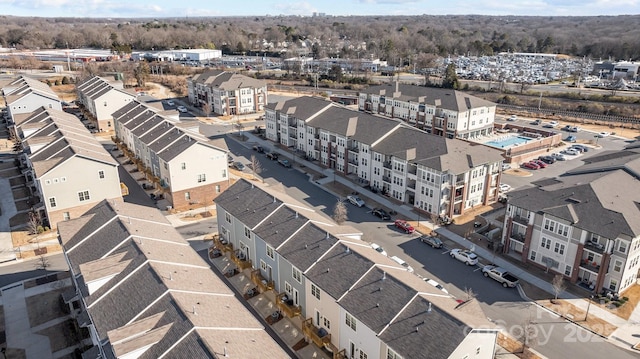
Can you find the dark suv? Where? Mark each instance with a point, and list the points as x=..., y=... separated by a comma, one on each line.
x=272, y=156
x=547, y=159
x=381, y=213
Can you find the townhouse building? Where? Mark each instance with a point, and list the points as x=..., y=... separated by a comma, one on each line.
x=187, y=168
x=345, y=296
x=101, y=98
x=434, y=174
x=442, y=112
x=55, y=145
x=141, y=291
x=24, y=95
x=227, y=93
x=583, y=224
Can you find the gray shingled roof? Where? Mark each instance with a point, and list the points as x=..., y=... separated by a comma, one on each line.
x=280, y=225
x=377, y=298
x=256, y=204
x=338, y=270
x=424, y=331
x=307, y=246
x=301, y=107
x=448, y=98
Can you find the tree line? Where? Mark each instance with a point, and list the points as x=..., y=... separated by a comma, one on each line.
x=401, y=40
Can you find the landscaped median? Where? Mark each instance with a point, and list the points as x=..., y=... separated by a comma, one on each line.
x=578, y=316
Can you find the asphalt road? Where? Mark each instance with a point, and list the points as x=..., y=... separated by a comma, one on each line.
x=553, y=337
x=12, y=272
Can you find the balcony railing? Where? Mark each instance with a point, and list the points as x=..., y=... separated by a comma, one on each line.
x=285, y=304
x=386, y=164
x=354, y=149
x=353, y=162
x=594, y=247
x=312, y=332
x=386, y=179
x=239, y=260
x=519, y=237
x=457, y=198
x=222, y=244
x=521, y=220
x=590, y=265
x=262, y=284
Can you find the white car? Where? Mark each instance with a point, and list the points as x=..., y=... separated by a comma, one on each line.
x=571, y=152
x=603, y=134
x=551, y=124
x=464, y=255
x=512, y=118
x=182, y=109
x=171, y=103
x=558, y=156
x=402, y=263
x=355, y=200
x=506, y=166
x=504, y=187
x=436, y=284
x=378, y=249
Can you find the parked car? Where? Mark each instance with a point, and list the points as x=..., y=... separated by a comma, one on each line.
x=547, y=159
x=229, y=160
x=434, y=242
x=171, y=103
x=506, y=166
x=577, y=149
x=581, y=148
x=574, y=129
x=239, y=166
x=603, y=134
x=571, y=138
x=531, y=165
x=402, y=263
x=381, y=213
x=551, y=124
x=258, y=148
x=272, y=156
x=558, y=156
x=512, y=118
x=435, y=284
x=501, y=275
x=571, y=152
x=504, y=187
x=182, y=109
x=464, y=255
x=285, y=163
x=536, y=122
x=541, y=164
x=566, y=128
x=378, y=249
x=355, y=200
x=404, y=226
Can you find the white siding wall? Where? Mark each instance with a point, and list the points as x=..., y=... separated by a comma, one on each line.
x=198, y=159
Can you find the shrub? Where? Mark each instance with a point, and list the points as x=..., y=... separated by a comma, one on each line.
x=625, y=298
x=40, y=229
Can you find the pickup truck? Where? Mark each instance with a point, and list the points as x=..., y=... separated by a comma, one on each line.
x=501, y=275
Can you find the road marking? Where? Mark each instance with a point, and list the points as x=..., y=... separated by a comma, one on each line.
x=477, y=269
x=446, y=252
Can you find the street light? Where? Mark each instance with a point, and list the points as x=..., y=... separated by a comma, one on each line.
x=586, y=316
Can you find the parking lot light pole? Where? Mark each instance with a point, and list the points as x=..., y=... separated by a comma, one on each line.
x=586, y=316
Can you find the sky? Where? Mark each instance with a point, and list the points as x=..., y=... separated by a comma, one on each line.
x=173, y=8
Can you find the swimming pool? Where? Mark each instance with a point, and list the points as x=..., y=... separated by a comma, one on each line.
x=508, y=141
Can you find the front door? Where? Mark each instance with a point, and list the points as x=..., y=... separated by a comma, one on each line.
x=269, y=273
x=296, y=299
x=352, y=350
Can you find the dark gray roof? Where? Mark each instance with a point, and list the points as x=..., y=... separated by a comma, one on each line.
x=369, y=128
x=151, y=121
x=280, y=225
x=256, y=204
x=126, y=108
x=338, y=270
x=424, y=331
x=307, y=246
x=110, y=236
x=301, y=107
x=191, y=346
x=377, y=298
x=437, y=152
x=177, y=147
x=447, y=98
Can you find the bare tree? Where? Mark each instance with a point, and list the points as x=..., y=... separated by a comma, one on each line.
x=256, y=167
x=42, y=263
x=340, y=212
x=469, y=293
x=35, y=226
x=558, y=285
x=206, y=108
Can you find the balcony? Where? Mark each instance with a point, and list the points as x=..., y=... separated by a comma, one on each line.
x=594, y=247
x=353, y=162
x=222, y=244
x=590, y=265
x=286, y=305
x=319, y=337
x=354, y=149
x=238, y=258
x=457, y=199
x=386, y=179
x=387, y=164
x=518, y=237
x=411, y=185
x=520, y=219
x=262, y=284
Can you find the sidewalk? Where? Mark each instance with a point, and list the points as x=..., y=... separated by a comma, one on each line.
x=628, y=331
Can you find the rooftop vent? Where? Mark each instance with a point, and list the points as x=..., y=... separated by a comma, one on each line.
x=384, y=275
x=429, y=310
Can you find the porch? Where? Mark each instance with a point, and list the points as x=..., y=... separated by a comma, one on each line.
x=260, y=282
x=285, y=304
x=240, y=260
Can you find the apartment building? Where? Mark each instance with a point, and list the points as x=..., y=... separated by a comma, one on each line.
x=345, y=296
x=101, y=98
x=432, y=173
x=143, y=292
x=24, y=95
x=227, y=93
x=56, y=145
x=442, y=112
x=583, y=224
x=188, y=169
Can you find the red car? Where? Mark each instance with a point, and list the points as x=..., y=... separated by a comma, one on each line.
x=540, y=163
x=531, y=165
x=404, y=226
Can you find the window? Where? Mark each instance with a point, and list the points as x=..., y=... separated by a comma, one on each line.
x=247, y=232
x=263, y=265
x=622, y=247
x=63, y=179
x=559, y=248
x=295, y=273
x=270, y=252
x=187, y=196
x=227, y=217
x=613, y=285
x=183, y=166
x=391, y=354
x=546, y=243
x=202, y=178
x=224, y=173
x=567, y=271
x=52, y=202
x=350, y=321
x=83, y=196
x=217, y=188
x=101, y=174
x=47, y=182
x=66, y=216
x=288, y=288
x=363, y=355
x=617, y=265
x=533, y=255
x=315, y=291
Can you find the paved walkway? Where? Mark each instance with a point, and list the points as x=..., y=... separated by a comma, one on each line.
x=7, y=210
